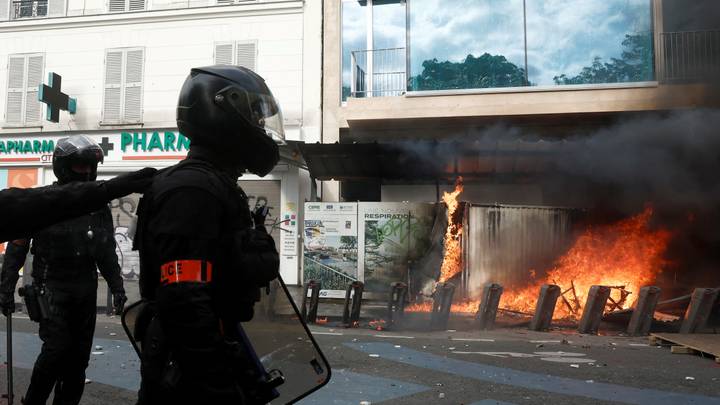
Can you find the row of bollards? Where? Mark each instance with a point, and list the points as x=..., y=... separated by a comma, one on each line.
x=695, y=319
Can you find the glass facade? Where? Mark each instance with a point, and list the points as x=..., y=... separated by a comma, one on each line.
x=477, y=44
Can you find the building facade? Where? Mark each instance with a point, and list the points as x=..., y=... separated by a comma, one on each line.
x=419, y=72
x=124, y=62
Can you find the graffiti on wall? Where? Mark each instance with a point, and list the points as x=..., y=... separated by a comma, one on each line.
x=123, y=214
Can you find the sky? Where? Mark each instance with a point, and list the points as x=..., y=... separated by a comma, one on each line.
x=563, y=35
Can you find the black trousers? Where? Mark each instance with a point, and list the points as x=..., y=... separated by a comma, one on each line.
x=203, y=371
x=67, y=340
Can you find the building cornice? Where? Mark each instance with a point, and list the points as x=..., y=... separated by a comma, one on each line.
x=152, y=16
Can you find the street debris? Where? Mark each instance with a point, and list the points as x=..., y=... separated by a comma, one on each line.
x=690, y=378
x=374, y=355
x=441, y=395
x=575, y=365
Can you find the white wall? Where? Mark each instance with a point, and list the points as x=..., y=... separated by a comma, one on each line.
x=174, y=41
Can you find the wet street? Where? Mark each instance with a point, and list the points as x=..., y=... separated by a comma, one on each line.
x=506, y=366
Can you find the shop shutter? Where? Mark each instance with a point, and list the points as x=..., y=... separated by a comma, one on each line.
x=246, y=55
x=34, y=78
x=137, y=5
x=224, y=54
x=113, y=86
x=4, y=10
x=133, y=85
x=116, y=6
x=16, y=89
x=56, y=8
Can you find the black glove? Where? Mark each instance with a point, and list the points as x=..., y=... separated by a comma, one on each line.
x=7, y=302
x=119, y=300
x=135, y=182
x=259, y=216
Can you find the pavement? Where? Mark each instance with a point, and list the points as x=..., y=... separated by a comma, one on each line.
x=504, y=366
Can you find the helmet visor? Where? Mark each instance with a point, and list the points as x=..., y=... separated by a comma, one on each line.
x=259, y=110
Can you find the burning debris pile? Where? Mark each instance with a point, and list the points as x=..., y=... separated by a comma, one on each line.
x=625, y=256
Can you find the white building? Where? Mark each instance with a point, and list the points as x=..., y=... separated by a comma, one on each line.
x=124, y=62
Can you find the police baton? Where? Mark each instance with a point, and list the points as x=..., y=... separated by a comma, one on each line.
x=9, y=363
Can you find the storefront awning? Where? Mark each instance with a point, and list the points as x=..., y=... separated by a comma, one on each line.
x=428, y=161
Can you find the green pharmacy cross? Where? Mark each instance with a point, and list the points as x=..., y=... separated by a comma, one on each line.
x=55, y=99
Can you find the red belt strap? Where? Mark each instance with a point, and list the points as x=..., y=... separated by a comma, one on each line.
x=178, y=271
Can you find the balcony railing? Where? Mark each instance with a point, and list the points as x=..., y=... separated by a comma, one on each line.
x=378, y=73
x=28, y=9
x=691, y=56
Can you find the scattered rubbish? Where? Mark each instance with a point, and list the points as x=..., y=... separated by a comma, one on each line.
x=98, y=353
x=539, y=345
x=564, y=342
x=438, y=384
x=321, y=321
x=639, y=344
x=88, y=381
x=441, y=395
x=374, y=355
x=589, y=381
x=365, y=402
x=113, y=334
x=690, y=378
x=122, y=365
x=354, y=340
x=98, y=347
x=575, y=365
x=451, y=330
x=397, y=346
x=451, y=348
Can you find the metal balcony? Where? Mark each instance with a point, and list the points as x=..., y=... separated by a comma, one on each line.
x=378, y=73
x=690, y=56
x=28, y=9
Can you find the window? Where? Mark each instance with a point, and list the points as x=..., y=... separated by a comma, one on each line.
x=123, y=86
x=119, y=6
x=240, y=53
x=25, y=73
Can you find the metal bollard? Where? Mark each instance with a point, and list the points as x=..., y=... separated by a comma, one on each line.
x=396, y=304
x=442, y=303
x=642, y=316
x=351, y=311
x=487, y=312
x=594, y=308
x=309, y=315
x=545, y=307
x=698, y=312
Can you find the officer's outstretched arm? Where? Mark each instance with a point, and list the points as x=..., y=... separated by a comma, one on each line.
x=107, y=261
x=14, y=260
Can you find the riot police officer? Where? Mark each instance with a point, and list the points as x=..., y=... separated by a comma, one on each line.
x=204, y=255
x=66, y=259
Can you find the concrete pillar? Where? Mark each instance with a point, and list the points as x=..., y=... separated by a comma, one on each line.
x=442, y=303
x=698, y=312
x=487, y=312
x=594, y=308
x=308, y=310
x=545, y=307
x=351, y=310
x=642, y=316
x=396, y=304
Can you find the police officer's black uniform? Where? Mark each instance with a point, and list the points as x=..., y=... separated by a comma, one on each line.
x=66, y=259
x=202, y=259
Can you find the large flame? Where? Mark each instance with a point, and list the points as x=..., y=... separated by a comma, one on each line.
x=627, y=255
x=452, y=259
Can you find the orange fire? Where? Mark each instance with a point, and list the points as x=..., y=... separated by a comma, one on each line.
x=626, y=254
x=452, y=259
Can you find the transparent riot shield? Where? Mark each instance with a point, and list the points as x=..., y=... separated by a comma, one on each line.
x=279, y=338
x=283, y=342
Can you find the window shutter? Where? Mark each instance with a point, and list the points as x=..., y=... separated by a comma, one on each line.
x=16, y=89
x=56, y=8
x=133, y=85
x=116, y=6
x=34, y=78
x=137, y=5
x=4, y=10
x=113, y=85
x=246, y=55
x=223, y=54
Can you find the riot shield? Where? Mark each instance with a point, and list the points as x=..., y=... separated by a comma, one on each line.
x=280, y=339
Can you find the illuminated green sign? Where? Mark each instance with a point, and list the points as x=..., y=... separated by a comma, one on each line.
x=167, y=141
x=27, y=146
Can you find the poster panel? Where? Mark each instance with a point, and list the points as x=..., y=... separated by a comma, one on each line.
x=331, y=246
x=392, y=237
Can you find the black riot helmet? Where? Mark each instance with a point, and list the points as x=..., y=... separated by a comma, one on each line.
x=76, y=159
x=231, y=110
